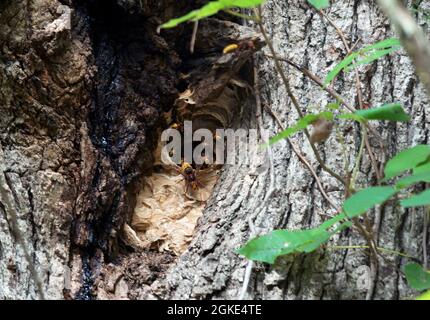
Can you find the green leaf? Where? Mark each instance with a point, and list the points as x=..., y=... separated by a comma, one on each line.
x=352, y=116
x=417, y=277
x=242, y=3
x=406, y=160
x=342, y=227
x=387, y=43
x=211, y=8
x=376, y=51
x=422, y=168
x=300, y=125
x=391, y=112
x=339, y=67
x=280, y=242
x=319, y=238
x=424, y=296
x=419, y=200
x=366, y=199
x=207, y=10
x=331, y=222
x=333, y=106
x=319, y=4
x=174, y=22
x=367, y=55
x=374, y=56
x=410, y=180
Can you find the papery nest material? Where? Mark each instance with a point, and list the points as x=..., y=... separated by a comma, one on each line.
x=165, y=217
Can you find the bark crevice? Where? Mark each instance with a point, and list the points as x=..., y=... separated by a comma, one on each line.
x=83, y=89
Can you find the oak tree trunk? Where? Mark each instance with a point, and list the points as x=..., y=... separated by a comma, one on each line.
x=83, y=86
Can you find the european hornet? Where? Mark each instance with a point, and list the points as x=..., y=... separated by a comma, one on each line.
x=190, y=176
x=176, y=126
x=237, y=47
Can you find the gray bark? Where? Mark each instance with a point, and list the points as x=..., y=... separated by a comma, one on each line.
x=211, y=268
x=51, y=154
x=42, y=95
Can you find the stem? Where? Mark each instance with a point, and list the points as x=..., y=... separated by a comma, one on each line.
x=330, y=91
x=358, y=90
x=367, y=247
x=365, y=142
x=258, y=13
x=344, y=152
x=304, y=161
x=359, y=157
x=425, y=230
x=194, y=36
x=241, y=15
x=369, y=239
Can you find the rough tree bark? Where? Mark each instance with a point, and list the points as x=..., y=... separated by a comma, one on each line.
x=83, y=85
x=211, y=269
x=82, y=90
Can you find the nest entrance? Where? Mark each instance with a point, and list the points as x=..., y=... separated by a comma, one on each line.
x=166, y=214
x=166, y=211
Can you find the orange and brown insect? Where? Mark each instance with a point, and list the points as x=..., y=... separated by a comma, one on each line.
x=190, y=176
x=230, y=48
x=237, y=47
x=177, y=126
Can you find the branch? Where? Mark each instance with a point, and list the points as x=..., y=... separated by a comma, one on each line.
x=412, y=38
x=286, y=82
x=303, y=160
x=358, y=89
x=342, y=101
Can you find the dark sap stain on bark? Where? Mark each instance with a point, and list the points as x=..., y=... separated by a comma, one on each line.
x=136, y=81
x=138, y=78
x=86, y=105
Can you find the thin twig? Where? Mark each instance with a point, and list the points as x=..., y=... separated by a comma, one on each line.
x=372, y=243
x=194, y=36
x=349, y=50
x=317, y=80
x=286, y=82
x=378, y=170
x=303, y=160
x=345, y=153
x=358, y=90
x=425, y=231
x=246, y=279
x=355, y=44
x=329, y=90
x=359, y=157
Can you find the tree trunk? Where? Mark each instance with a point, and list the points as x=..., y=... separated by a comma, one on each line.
x=83, y=89
x=212, y=269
